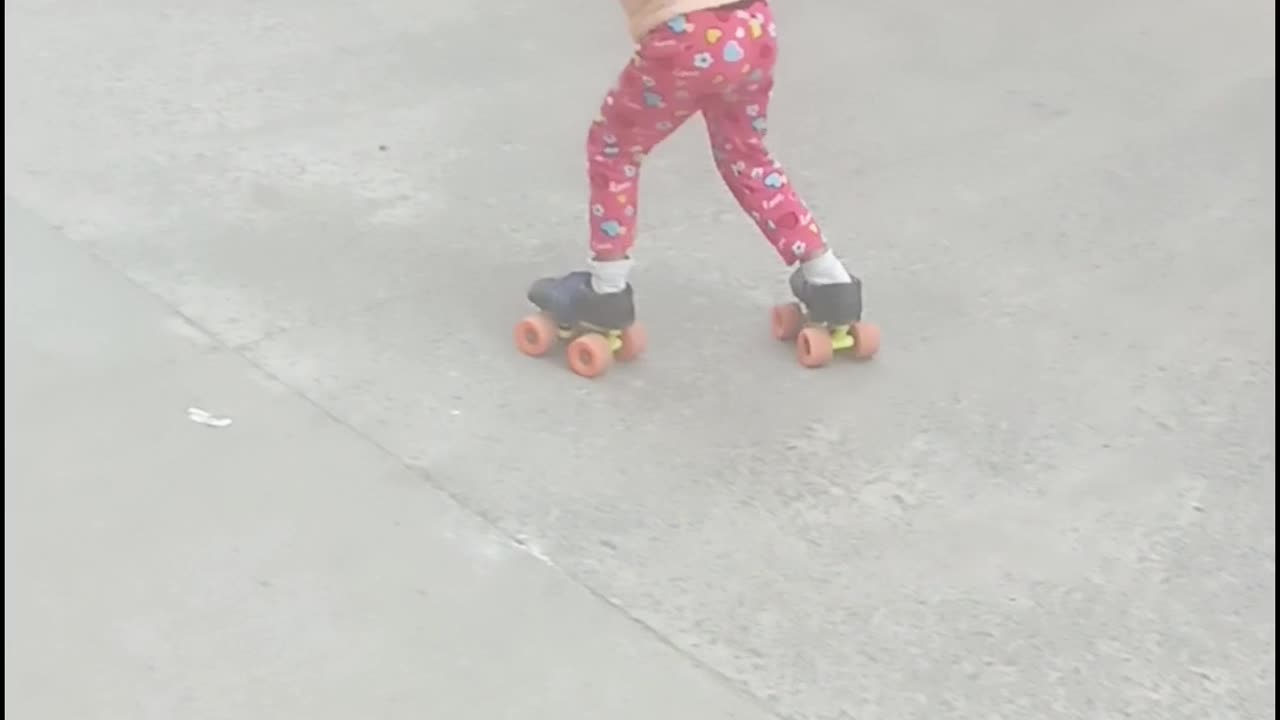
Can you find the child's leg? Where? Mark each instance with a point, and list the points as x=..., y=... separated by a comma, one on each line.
x=737, y=124
x=643, y=109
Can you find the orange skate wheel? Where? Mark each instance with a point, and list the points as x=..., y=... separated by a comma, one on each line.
x=813, y=347
x=590, y=355
x=535, y=335
x=634, y=342
x=787, y=321
x=866, y=340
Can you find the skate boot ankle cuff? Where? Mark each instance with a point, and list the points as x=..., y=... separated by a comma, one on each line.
x=609, y=276
x=825, y=269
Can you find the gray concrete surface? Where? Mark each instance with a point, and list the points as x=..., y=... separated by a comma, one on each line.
x=281, y=567
x=1051, y=497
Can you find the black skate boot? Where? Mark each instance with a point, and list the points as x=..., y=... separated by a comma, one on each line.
x=598, y=326
x=573, y=303
x=829, y=305
x=827, y=318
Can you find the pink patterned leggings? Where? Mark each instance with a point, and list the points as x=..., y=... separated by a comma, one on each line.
x=718, y=62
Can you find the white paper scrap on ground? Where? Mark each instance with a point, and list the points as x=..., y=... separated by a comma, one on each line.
x=204, y=418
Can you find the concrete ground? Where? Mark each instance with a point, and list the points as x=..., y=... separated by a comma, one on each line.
x=1051, y=497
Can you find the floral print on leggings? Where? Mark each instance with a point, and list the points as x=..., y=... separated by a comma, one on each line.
x=719, y=63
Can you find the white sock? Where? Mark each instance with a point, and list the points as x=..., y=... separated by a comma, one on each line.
x=609, y=276
x=826, y=269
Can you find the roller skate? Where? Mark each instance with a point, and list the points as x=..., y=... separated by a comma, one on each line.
x=599, y=328
x=824, y=320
